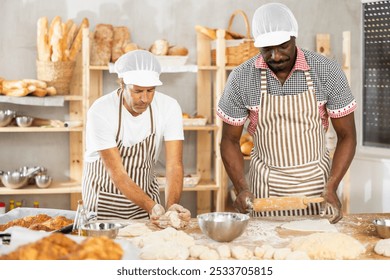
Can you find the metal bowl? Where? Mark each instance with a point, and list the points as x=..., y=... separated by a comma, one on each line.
x=223, y=226
x=382, y=227
x=24, y=121
x=43, y=180
x=101, y=229
x=14, y=179
x=6, y=117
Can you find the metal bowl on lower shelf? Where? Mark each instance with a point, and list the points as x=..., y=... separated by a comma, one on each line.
x=223, y=226
x=382, y=227
x=24, y=121
x=101, y=229
x=14, y=179
x=6, y=117
x=43, y=181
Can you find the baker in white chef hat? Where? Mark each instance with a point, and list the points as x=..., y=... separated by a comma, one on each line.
x=125, y=133
x=286, y=92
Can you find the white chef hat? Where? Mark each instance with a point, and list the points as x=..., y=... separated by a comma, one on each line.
x=273, y=24
x=139, y=67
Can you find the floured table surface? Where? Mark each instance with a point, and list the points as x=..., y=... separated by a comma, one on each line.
x=268, y=230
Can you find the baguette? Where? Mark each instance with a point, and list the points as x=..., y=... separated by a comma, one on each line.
x=76, y=45
x=18, y=92
x=43, y=46
x=31, y=88
x=64, y=43
x=13, y=84
x=37, y=83
x=72, y=32
x=40, y=92
x=55, y=41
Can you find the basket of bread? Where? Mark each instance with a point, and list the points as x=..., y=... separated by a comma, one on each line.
x=239, y=48
x=58, y=46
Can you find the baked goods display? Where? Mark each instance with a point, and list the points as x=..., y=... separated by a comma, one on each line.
x=24, y=87
x=246, y=144
x=39, y=222
x=162, y=47
x=58, y=246
x=211, y=33
x=189, y=120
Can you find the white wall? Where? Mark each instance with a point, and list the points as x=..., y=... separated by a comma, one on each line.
x=173, y=20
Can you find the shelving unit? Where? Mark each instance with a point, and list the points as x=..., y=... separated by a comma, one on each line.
x=76, y=143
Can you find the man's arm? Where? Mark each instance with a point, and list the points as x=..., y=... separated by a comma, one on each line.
x=343, y=155
x=174, y=172
x=113, y=164
x=233, y=161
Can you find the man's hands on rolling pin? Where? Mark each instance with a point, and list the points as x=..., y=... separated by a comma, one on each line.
x=176, y=216
x=243, y=198
x=332, y=200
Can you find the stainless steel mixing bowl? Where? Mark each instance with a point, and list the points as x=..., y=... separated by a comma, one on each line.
x=14, y=179
x=24, y=121
x=43, y=180
x=101, y=229
x=6, y=117
x=223, y=226
x=382, y=227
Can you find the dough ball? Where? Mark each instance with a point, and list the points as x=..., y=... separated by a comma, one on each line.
x=269, y=253
x=169, y=250
x=328, y=246
x=136, y=229
x=382, y=247
x=209, y=254
x=260, y=251
x=241, y=253
x=297, y=255
x=224, y=251
x=196, y=250
x=281, y=253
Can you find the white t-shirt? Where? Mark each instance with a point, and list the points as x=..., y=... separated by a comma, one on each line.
x=103, y=118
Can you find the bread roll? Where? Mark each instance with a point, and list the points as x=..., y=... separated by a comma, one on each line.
x=177, y=50
x=51, y=90
x=76, y=45
x=245, y=138
x=102, y=44
x=40, y=92
x=120, y=41
x=13, y=84
x=246, y=148
x=31, y=88
x=186, y=116
x=43, y=46
x=37, y=83
x=131, y=47
x=159, y=47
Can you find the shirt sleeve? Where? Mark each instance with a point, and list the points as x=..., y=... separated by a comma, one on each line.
x=340, y=101
x=231, y=107
x=173, y=128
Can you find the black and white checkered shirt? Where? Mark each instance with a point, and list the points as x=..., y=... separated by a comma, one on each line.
x=241, y=97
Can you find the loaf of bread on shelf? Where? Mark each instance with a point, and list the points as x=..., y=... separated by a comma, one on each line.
x=159, y=47
x=71, y=32
x=55, y=36
x=13, y=84
x=77, y=42
x=51, y=90
x=102, y=44
x=40, y=92
x=177, y=50
x=131, y=47
x=37, y=83
x=43, y=46
x=120, y=41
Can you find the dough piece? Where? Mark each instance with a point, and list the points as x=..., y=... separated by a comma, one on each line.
x=224, y=251
x=297, y=255
x=197, y=250
x=168, y=234
x=382, y=247
x=241, y=253
x=134, y=230
x=321, y=225
x=171, y=219
x=260, y=251
x=169, y=250
x=281, y=253
x=328, y=246
x=209, y=254
x=269, y=253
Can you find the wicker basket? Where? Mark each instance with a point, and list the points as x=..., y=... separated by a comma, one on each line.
x=240, y=50
x=56, y=74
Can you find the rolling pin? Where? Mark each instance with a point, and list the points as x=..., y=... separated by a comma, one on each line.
x=282, y=203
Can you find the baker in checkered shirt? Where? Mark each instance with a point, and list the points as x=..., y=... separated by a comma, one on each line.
x=286, y=96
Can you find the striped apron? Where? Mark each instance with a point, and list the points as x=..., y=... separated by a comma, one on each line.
x=99, y=193
x=289, y=157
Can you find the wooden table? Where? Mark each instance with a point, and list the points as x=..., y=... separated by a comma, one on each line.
x=268, y=231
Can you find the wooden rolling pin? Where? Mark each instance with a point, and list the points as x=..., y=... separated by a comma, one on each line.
x=282, y=203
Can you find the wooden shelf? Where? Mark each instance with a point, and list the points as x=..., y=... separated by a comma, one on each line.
x=54, y=188
x=39, y=129
x=187, y=68
x=210, y=127
x=208, y=67
x=73, y=98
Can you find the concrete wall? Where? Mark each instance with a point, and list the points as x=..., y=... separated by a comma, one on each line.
x=173, y=20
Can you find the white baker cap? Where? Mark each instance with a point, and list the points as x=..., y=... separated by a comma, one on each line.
x=139, y=68
x=273, y=24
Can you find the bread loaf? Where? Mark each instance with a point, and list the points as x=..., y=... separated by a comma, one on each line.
x=18, y=92
x=120, y=41
x=55, y=36
x=159, y=47
x=37, y=83
x=40, y=92
x=177, y=50
x=246, y=148
x=43, y=47
x=76, y=45
x=31, y=88
x=1, y=84
x=13, y=84
x=71, y=29
x=102, y=44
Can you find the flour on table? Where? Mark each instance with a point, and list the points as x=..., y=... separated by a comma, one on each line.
x=321, y=225
x=136, y=229
x=328, y=246
x=382, y=247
